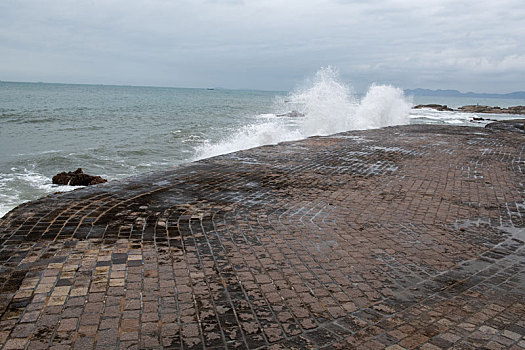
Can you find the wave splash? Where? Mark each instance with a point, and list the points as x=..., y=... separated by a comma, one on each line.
x=328, y=106
x=22, y=185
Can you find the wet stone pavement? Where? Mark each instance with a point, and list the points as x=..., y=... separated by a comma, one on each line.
x=403, y=237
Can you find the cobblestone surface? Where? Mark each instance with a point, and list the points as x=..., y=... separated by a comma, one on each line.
x=403, y=237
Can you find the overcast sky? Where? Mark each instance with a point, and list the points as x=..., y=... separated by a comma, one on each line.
x=469, y=45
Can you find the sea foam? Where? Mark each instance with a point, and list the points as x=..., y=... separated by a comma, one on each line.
x=328, y=106
x=22, y=185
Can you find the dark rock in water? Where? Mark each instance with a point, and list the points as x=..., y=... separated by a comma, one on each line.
x=481, y=119
x=517, y=125
x=480, y=109
x=434, y=106
x=292, y=114
x=476, y=109
x=494, y=110
x=77, y=178
x=516, y=110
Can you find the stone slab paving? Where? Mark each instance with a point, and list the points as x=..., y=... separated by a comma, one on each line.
x=403, y=237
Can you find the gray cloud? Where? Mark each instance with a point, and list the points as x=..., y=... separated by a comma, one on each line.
x=468, y=45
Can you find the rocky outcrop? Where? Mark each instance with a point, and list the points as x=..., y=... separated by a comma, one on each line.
x=516, y=110
x=476, y=109
x=490, y=109
x=434, y=106
x=482, y=119
x=77, y=178
x=292, y=114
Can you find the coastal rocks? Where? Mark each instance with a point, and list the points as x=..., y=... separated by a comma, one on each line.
x=476, y=109
x=292, y=114
x=490, y=109
x=478, y=119
x=77, y=178
x=516, y=110
x=434, y=106
x=479, y=109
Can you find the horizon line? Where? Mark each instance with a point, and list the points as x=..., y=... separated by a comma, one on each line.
x=239, y=89
x=143, y=86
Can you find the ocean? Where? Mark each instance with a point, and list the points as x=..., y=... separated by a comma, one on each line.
x=120, y=131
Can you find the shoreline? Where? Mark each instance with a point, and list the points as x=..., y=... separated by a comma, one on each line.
x=400, y=235
x=60, y=189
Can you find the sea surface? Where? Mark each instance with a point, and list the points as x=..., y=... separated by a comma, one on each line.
x=120, y=131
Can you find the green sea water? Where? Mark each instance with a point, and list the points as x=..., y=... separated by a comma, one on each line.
x=112, y=131
x=120, y=131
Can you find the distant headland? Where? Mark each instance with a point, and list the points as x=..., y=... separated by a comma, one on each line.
x=456, y=93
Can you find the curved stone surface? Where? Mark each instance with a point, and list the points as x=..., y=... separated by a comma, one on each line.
x=516, y=125
x=407, y=237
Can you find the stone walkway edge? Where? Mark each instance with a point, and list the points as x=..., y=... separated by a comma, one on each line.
x=401, y=238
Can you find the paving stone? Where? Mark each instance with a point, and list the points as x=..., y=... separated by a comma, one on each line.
x=15, y=343
x=402, y=237
x=68, y=324
x=84, y=343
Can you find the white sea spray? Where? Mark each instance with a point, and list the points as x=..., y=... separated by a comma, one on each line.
x=327, y=105
x=249, y=136
x=25, y=184
x=117, y=132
